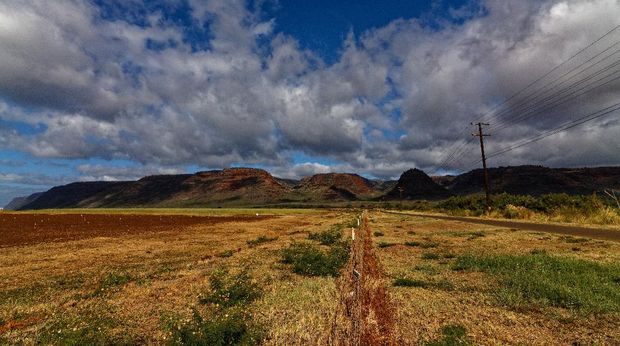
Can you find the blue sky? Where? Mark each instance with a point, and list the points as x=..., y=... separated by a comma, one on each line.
x=114, y=90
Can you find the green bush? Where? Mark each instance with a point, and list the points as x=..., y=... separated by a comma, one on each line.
x=230, y=290
x=539, y=279
x=307, y=259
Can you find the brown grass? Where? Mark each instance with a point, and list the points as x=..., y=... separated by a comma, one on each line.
x=466, y=298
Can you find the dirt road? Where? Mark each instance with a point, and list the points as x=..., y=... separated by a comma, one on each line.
x=597, y=233
x=365, y=313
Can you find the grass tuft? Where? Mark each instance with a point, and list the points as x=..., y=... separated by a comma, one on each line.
x=452, y=335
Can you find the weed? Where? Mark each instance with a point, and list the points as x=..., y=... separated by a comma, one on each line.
x=452, y=335
x=378, y=234
x=384, y=244
x=544, y=280
x=261, y=240
x=406, y=282
x=221, y=329
x=230, y=290
x=429, y=245
x=413, y=243
x=307, y=259
x=90, y=327
x=430, y=256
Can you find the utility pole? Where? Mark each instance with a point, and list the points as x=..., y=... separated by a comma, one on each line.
x=484, y=162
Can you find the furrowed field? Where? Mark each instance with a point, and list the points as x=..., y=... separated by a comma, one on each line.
x=230, y=276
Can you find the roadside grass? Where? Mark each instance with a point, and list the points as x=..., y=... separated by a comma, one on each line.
x=540, y=280
x=261, y=240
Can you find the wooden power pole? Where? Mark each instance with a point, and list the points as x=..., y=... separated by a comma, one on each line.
x=484, y=162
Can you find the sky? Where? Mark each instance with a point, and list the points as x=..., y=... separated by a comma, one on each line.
x=116, y=90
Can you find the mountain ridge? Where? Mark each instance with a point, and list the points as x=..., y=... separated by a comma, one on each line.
x=251, y=186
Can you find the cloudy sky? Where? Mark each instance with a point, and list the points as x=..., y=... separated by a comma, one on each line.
x=115, y=90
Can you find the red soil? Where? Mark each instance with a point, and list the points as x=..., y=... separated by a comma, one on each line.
x=27, y=229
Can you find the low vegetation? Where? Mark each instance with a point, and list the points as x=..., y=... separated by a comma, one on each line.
x=227, y=320
x=261, y=240
x=539, y=279
x=310, y=260
x=452, y=335
x=552, y=207
x=329, y=236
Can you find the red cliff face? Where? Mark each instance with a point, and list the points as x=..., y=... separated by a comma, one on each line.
x=341, y=186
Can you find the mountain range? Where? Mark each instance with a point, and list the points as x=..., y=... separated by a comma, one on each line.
x=250, y=186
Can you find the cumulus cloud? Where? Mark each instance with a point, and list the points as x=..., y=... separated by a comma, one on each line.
x=398, y=96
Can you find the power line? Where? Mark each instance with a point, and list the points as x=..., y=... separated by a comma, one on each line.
x=449, y=158
x=566, y=126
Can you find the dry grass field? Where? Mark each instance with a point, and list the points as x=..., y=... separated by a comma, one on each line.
x=273, y=279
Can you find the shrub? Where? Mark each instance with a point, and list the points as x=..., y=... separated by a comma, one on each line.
x=307, y=259
x=227, y=290
x=221, y=329
x=385, y=244
x=543, y=280
x=261, y=240
x=406, y=282
x=413, y=243
x=327, y=237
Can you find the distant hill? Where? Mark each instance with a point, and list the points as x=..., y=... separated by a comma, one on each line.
x=537, y=180
x=18, y=202
x=414, y=184
x=337, y=187
x=250, y=186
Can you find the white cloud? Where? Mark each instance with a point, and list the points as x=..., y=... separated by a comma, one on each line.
x=100, y=92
